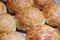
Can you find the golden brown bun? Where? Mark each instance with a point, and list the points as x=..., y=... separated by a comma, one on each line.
x=52, y=14
x=11, y=36
x=6, y=23
x=3, y=8
x=42, y=3
x=14, y=5
x=42, y=32
x=29, y=17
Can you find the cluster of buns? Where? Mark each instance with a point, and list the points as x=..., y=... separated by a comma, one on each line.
x=28, y=17
x=8, y=25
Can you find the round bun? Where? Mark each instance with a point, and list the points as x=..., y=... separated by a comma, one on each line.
x=52, y=14
x=42, y=32
x=7, y=23
x=42, y=3
x=3, y=8
x=14, y=5
x=11, y=36
x=29, y=17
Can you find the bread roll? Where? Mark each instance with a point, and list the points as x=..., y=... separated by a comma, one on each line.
x=52, y=14
x=11, y=36
x=42, y=32
x=29, y=17
x=3, y=8
x=14, y=5
x=7, y=23
x=42, y=3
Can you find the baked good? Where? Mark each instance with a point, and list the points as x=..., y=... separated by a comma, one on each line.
x=42, y=32
x=52, y=14
x=42, y=3
x=3, y=8
x=15, y=5
x=11, y=36
x=7, y=23
x=28, y=17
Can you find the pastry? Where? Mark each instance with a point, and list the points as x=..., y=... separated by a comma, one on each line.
x=7, y=23
x=42, y=3
x=42, y=32
x=11, y=36
x=28, y=17
x=52, y=14
x=15, y=5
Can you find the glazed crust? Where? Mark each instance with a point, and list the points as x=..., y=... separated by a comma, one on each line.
x=52, y=14
x=29, y=17
x=11, y=36
x=42, y=32
x=3, y=8
x=14, y=5
x=42, y=3
x=7, y=23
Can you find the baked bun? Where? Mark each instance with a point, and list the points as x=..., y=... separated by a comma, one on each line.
x=14, y=5
x=42, y=3
x=6, y=23
x=52, y=14
x=11, y=36
x=29, y=17
x=3, y=8
x=42, y=32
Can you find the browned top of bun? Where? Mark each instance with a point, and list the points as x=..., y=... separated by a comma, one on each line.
x=11, y=36
x=14, y=5
x=29, y=17
x=52, y=14
x=43, y=3
x=6, y=22
x=42, y=32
